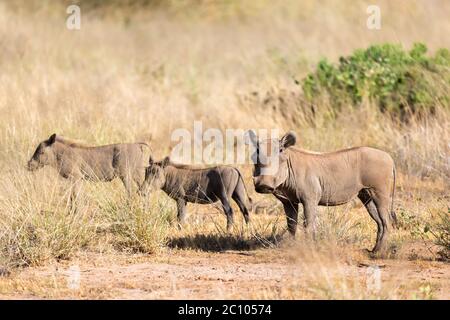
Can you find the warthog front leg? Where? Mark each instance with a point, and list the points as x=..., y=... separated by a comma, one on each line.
x=75, y=190
x=127, y=182
x=310, y=212
x=291, y=211
x=181, y=212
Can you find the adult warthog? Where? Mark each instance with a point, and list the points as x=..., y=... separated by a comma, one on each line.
x=325, y=179
x=76, y=161
x=198, y=185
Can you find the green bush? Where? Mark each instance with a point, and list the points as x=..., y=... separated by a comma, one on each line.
x=397, y=81
x=436, y=230
x=441, y=234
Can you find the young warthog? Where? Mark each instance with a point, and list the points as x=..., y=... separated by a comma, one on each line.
x=325, y=179
x=103, y=163
x=206, y=185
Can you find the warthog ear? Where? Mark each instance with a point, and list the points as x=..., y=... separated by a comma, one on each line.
x=289, y=139
x=250, y=137
x=165, y=162
x=51, y=140
x=150, y=160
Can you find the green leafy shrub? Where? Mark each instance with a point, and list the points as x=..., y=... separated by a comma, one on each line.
x=435, y=230
x=441, y=234
x=398, y=81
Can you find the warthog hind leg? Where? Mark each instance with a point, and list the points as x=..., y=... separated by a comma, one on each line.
x=74, y=194
x=382, y=203
x=138, y=178
x=239, y=198
x=227, y=209
x=367, y=200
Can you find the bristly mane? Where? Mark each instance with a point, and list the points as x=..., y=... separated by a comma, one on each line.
x=190, y=167
x=297, y=149
x=72, y=142
x=304, y=151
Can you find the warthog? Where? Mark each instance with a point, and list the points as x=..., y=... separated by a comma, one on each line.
x=198, y=185
x=326, y=179
x=77, y=162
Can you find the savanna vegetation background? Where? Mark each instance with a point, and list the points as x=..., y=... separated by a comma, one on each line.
x=137, y=70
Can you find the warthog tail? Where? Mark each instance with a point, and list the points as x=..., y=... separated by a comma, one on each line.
x=392, y=213
x=146, y=145
x=250, y=201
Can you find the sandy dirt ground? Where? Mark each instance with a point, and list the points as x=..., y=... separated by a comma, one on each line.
x=263, y=273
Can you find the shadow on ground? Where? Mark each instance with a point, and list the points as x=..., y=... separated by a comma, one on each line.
x=218, y=243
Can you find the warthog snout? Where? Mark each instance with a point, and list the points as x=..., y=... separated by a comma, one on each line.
x=263, y=189
x=32, y=165
x=264, y=184
x=144, y=189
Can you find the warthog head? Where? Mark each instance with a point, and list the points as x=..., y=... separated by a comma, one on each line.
x=43, y=155
x=270, y=161
x=155, y=177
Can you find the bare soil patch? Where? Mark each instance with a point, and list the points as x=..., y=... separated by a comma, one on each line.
x=261, y=273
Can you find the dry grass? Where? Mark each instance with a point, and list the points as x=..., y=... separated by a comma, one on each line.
x=138, y=74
